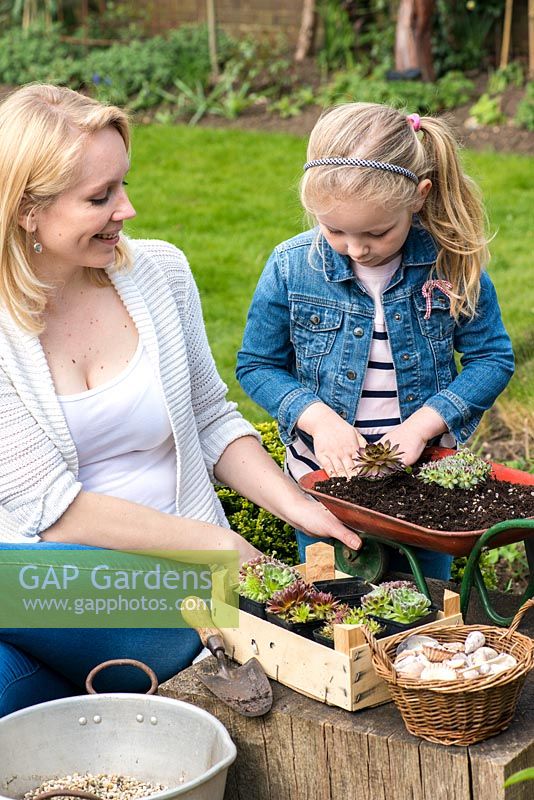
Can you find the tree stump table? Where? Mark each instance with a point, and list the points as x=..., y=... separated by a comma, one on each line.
x=305, y=750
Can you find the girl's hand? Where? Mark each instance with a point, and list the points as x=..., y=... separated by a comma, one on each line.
x=411, y=443
x=335, y=441
x=413, y=434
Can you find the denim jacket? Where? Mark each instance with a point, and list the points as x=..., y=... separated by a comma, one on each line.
x=309, y=330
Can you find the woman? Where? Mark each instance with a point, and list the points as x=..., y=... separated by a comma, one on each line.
x=114, y=419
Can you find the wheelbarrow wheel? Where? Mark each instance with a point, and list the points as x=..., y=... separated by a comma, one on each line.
x=369, y=562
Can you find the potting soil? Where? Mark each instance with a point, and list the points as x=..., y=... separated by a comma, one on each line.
x=404, y=496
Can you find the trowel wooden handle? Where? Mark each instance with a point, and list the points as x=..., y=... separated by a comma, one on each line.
x=197, y=615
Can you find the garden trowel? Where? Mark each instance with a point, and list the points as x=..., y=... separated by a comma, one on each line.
x=246, y=689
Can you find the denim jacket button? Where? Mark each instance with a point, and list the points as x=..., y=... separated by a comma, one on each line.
x=343, y=414
x=351, y=375
x=358, y=332
x=410, y=397
x=315, y=319
x=405, y=357
x=397, y=316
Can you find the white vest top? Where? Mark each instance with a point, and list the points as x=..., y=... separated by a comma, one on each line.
x=124, y=438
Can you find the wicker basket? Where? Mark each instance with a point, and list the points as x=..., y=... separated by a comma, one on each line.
x=453, y=712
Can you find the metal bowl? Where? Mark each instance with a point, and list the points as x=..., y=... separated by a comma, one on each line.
x=143, y=736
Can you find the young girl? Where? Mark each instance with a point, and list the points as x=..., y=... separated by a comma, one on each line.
x=351, y=334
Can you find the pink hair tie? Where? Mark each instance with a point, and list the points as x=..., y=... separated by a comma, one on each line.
x=415, y=121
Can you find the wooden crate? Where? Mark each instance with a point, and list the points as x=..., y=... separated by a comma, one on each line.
x=341, y=677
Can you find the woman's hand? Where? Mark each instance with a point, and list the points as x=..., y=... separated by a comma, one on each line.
x=413, y=434
x=314, y=519
x=335, y=442
x=246, y=467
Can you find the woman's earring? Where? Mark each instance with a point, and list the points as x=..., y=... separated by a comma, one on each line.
x=37, y=246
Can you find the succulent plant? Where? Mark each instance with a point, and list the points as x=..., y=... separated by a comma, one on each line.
x=345, y=615
x=284, y=600
x=324, y=604
x=464, y=470
x=390, y=585
x=378, y=460
x=261, y=577
x=408, y=605
x=377, y=602
x=398, y=601
x=301, y=602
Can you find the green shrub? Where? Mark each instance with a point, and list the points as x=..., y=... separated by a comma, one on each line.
x=338, y=37
x=257, y=526
x=487, y=110
x=38, y=54
x=133, y=74
x=525, y=110
x=510, y=75
x=451, y=90
x=463, y=33
x=487, y=569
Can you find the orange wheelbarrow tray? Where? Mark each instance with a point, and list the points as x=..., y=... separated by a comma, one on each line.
x=391, y=530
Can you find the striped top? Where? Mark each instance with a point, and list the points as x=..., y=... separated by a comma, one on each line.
x=39, y=464
x=378, y=409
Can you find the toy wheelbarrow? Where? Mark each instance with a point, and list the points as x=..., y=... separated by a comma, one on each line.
x=379, y=530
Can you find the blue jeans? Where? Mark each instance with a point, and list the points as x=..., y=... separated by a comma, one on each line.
x=434, y=565
x=40, y=664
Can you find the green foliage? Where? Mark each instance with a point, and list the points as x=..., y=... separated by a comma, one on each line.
x=486, y=567
x=259, y=527
x=119, y=21
x=449, y=91
x=516, y=560
x=337, y=51
x=375, y=44
x=518, y=777
x=525, y=110
x=487, y=110
x=462, y=33
x=291, y=105
x=502, y=78
x=464, y=470
x=38, y=54
x=133, y=74
x=454, y=89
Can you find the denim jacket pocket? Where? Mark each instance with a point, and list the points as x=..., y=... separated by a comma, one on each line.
x=313, y=328
x=440, y=324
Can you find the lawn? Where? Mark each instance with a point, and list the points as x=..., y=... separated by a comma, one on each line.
x=227, y=197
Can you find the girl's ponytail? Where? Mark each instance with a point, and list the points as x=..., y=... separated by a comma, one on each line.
x=453, y=213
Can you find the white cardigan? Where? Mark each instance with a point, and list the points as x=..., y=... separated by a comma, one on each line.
x=38, y=459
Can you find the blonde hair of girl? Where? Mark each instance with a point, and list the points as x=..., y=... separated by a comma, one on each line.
x=453, y=212
x=43, y=130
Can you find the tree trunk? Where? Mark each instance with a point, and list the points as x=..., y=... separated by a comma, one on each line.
x=413, y=48
x=307, y=29
x=212, y=39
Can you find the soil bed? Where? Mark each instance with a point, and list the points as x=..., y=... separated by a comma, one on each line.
x=431, y=506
